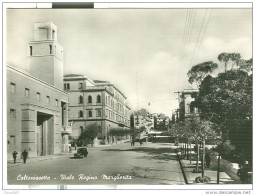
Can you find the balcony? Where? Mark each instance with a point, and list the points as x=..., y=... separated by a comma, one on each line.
x=66, y=129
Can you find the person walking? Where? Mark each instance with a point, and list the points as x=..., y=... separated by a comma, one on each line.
x=14, y=154
x=75, y=147
x=24, y=155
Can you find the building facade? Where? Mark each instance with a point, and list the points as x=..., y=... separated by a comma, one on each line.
x=95, y=102
x=186, y=105
x=37, y=105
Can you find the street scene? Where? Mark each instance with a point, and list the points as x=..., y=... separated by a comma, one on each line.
x=147, y=164
x=129, y=97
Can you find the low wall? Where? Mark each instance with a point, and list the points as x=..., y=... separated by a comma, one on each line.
x=228, y=167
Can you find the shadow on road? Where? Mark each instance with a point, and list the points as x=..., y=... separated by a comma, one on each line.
x=154, y=153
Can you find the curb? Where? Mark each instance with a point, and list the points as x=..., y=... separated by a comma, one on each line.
x=183, y=172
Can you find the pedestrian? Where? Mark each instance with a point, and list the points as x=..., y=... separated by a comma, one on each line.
x=207, y=160
x=141, y=142
x=70, y=149
x=24, y=155
x=14, y=154
x=75, y=147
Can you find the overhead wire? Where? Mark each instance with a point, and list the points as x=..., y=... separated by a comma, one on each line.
x=191, y=31
x=198, y=37
x=203, y=34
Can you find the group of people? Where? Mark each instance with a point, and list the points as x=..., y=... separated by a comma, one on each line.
x=23, y=155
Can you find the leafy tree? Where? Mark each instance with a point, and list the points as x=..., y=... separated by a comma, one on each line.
x=198, y=72
x=229, y=57
x=90, y=133
x=226, y=100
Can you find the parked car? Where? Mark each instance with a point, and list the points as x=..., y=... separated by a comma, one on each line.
x=81, y=153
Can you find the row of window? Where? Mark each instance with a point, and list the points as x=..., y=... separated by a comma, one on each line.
x=118, y=106
x=112, y=115
x=90, y=113
x=67, y=86
x=38, y=95
x=50, y=50
x=98, y=99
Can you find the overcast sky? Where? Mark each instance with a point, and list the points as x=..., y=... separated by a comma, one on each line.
x=144, y=52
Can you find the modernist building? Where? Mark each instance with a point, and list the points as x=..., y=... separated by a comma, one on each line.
x=37, y=106
x=93, y=101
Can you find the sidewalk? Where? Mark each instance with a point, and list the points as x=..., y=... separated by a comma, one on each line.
x=19, y=162
x=36, y=159
x=209, y=172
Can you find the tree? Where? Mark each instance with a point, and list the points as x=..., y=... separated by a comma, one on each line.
x=119, y=132
x=226, y=100
x=198, y=72
x=229, y=57
x=90, y=133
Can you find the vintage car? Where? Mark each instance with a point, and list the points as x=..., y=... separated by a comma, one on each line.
x=81, y=153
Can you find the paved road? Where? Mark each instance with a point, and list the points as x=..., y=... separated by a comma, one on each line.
x=151, y=163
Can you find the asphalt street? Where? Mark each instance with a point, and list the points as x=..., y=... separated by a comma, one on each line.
x=151, y=163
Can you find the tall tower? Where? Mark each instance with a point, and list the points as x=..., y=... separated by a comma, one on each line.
x=45, y=55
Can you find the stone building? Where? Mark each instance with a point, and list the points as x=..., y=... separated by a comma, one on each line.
x=94, y=101
x=37, y=105
x=186, y=105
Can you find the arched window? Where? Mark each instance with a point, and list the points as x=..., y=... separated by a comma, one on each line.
x=98, y=113
x=80, y=114
x=81, y=128
x=80, y=99
x=90, y=99
x=90, y=113
x=98, y=99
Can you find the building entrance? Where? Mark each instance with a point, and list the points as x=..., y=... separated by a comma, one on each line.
x=44, y=134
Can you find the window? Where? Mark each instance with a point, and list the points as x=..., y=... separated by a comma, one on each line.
x=30, y=50
x=66, y=86
x=98, y=99
x=98, y=113
x=56, y=102
x=12, y=140
x=50, y=49
x=81, y=128
x=13, y=88
x=53, y=34
x=80, y=86
x=90, y=113
x=12, y=113
x=80, y=99
x=106, y=100
x=48, y=99
x=38, y=96
x=80, y=113
x=90, y=99
x=26, y=92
